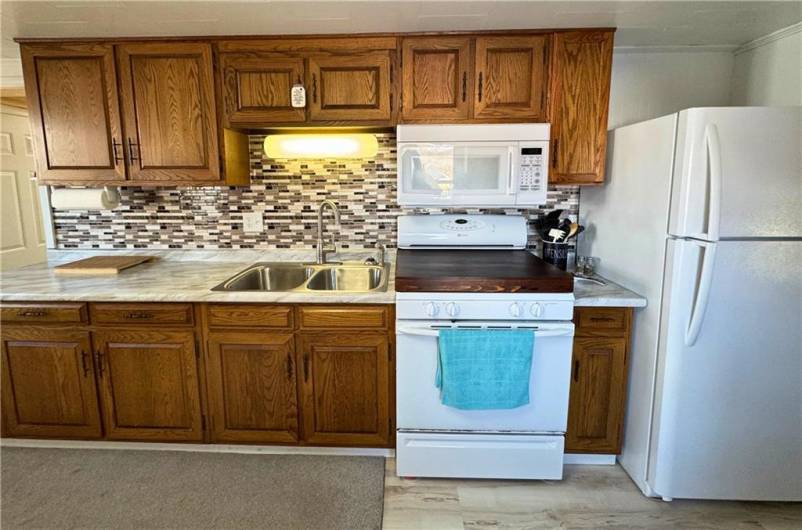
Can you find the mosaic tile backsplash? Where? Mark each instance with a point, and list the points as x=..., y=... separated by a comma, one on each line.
x=285, y=191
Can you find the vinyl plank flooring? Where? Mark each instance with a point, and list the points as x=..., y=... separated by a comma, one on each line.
x=589, y=497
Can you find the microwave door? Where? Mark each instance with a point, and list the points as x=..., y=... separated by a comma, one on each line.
x=456, y=174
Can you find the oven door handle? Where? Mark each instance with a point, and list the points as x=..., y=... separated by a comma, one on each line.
x=435, y=332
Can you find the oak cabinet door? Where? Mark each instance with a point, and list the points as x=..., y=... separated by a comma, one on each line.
x=580, y=99
x=437, y=80
x=149, y=384
x=49, y=383
x=598, y=386
x=169, y=114
x=71, y=91
x=511, y=77
x=252, y=387
x=256, y=88
x=344, y=378
x=349, y=87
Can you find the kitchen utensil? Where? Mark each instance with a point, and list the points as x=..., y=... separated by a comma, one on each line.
x=572, y=231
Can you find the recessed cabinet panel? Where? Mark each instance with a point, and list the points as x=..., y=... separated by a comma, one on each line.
x=352, y=88
x=149, y=382
x=169, y=111
x=49, y=383
x=511, y=74
x=256, y=88
x=74, y=113
x=437, y=81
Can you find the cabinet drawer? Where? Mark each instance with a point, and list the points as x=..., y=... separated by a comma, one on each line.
x=36, y=312
x=602, y=318
x=168, y=314
x=338, y=317
x=250, y=315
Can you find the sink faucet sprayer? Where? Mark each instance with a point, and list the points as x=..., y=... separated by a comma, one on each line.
x=321, y=251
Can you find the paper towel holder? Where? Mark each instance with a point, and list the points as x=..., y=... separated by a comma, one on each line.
x=105, y=198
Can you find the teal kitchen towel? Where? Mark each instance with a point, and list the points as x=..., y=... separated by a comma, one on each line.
x=480, y=369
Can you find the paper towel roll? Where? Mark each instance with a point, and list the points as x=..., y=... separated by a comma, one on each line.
x=85, y=199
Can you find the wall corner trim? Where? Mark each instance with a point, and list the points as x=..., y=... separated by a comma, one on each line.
x=768, y=39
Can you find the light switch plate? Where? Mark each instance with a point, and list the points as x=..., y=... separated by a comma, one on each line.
x=252, y=222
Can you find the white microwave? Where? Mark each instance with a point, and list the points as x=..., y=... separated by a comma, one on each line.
x=504, y=165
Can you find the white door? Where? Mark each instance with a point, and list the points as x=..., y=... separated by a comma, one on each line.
x=22, y=237
x=729, y=401
x=738, y=173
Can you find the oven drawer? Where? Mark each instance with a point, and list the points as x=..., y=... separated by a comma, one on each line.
x=508, y=456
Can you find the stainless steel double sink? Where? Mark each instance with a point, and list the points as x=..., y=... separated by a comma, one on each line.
x=311, y=278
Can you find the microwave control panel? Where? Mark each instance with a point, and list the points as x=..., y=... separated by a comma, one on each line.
x=533, y=172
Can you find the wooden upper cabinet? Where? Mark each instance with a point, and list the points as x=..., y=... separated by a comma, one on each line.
x=252, y=387
x=256, y=88
x=344, y=377
x=511, y=74
x=349, y=87
x=167, y=93
x=48, y=383
x=580, y=91
x=149, y=384
x=74, y=112
x=437, y=78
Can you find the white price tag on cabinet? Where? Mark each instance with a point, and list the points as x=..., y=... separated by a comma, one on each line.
x=298, y=96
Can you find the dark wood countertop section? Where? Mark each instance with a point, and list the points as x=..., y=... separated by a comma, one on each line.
x=480, y=271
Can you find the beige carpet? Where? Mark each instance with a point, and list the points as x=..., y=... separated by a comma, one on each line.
x=69, y=488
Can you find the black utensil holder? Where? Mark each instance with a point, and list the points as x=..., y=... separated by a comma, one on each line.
x=556, y=254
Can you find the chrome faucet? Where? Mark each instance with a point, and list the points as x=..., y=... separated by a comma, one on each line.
x=321, y=251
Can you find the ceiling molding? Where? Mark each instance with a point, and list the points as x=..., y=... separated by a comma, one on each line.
x=771, y=37
x=707, y=48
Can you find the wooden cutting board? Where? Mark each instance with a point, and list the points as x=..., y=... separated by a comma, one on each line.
x=101, y=265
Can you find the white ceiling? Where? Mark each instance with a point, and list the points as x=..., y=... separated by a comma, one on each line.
x=649, y=23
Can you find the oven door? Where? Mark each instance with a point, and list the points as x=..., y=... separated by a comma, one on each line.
x=418, y=399
x=457, y=174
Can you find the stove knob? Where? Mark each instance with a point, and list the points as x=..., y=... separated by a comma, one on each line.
x=515, y=309
x=536, y=310
x=452, y=309
x=431, y=309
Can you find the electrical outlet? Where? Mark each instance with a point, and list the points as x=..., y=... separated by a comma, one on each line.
x=252, y=222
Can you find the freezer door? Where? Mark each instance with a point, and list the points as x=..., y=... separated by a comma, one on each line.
x=737, y=173
x=728, y=405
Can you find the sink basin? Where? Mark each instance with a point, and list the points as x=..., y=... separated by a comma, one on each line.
x=345, y=278
x=302, y=277
x=268, y=277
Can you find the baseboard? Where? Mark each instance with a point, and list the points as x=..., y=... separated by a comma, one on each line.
x=200, y=448
x=589, y=459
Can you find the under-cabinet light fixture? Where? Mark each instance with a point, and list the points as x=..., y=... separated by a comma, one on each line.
x=335, y=145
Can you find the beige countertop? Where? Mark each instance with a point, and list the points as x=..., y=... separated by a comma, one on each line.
x=189, y=275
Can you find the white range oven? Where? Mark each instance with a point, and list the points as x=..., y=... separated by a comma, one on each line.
x=435, y=440
x=473, y=165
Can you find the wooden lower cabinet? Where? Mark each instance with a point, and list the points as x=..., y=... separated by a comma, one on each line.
x=48, y=383
x=252, y=387
x=149, y=384
x=345, y=388
x=598, y=381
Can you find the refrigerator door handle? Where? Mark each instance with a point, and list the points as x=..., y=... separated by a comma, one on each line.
x=713, y=167
x=699, y=304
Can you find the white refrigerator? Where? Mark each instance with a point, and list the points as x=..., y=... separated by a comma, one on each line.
x=702, y=214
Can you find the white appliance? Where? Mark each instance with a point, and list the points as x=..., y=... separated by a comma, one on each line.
x=702, y=214
x=482, y=232
x=473, y=165
x=434, y=440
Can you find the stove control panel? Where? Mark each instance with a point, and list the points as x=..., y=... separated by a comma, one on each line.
x=486, y=306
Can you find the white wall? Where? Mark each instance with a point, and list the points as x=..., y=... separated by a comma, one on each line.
x=11, y=73
x=768, y=71
x=652, y=82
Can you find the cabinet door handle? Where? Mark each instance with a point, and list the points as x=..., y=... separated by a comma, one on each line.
x=84, y=363
x=138, y=315
x=289, y=366
x=131, y=156
x=32, y=313
x=464, y=85
x=115, y=148
x=306, y=367
x=99, y=363
x=556, y=153
x=601, y=319
x=314, y=88
x=480, y=87
x=576, y=371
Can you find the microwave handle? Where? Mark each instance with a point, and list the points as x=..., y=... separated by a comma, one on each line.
x=510, y=176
